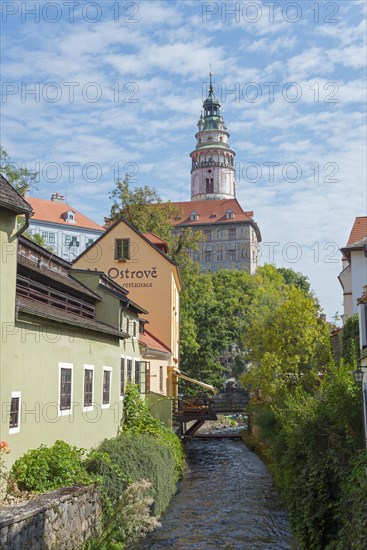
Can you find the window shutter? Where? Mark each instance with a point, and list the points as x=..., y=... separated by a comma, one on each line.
x=147, y=376
x=138, y=377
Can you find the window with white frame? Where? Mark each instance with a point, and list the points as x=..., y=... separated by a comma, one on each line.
x=122, y=319
x=65, y=388
x=69, y=216
x=88, y=242
x=161, y=372
x=71, y=241
x=14, y=420
x=137, y=372
x=88, y=387
x=122, y=376
x=106, y=387
x=129, y=370
x=144, y=376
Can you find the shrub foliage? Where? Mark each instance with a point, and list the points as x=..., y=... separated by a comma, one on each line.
x=318, y=462
x=48, y=468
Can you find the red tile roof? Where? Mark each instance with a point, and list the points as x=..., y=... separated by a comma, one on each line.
x=211, y=211
x=160, y=243
x=147, y=339
x=52, y=211
x=359, y=230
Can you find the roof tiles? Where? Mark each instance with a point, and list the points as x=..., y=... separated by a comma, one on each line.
x=147, y=339
x=53, y=212
x=211, y=211
x=11, y=199
x=359, y=230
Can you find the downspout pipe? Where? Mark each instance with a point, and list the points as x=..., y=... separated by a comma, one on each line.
x=24, y=227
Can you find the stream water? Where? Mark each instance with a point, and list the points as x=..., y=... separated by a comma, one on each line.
x=227, y=501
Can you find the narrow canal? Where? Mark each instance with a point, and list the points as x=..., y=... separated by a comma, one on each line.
x=227, y=501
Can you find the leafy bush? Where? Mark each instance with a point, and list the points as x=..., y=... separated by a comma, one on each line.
x=137, y=419
x=48, y=468
x=141, y=457
x=112, y=480
x=134, y=519
x=350, y=339
x=318, y=462
x=137, y=472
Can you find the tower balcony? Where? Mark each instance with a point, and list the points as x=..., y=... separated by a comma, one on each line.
x=213, y=163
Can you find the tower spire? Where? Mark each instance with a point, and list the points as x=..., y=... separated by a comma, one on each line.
x=210, y=81
x=212, y=171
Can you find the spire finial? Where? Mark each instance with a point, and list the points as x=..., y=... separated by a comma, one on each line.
x=210, y=82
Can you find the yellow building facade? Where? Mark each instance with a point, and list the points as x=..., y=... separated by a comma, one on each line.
x=152, y=279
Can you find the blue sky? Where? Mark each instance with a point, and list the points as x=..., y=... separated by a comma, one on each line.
x=94, y=89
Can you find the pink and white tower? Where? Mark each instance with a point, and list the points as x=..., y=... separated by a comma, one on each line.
x=212, y=172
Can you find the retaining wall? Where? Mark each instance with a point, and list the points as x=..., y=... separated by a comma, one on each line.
x=59, y=520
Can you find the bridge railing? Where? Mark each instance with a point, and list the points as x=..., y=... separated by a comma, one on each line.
x=195, y=407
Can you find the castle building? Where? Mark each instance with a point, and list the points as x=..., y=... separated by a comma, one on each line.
x=232, y=235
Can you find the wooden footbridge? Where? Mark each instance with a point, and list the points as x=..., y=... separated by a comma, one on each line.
x=203, y=408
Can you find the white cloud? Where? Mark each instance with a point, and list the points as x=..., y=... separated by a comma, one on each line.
x=167, y=55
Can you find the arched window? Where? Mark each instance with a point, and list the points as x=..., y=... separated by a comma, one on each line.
x=209, y=185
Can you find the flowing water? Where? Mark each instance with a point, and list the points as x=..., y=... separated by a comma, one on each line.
x=227, y=501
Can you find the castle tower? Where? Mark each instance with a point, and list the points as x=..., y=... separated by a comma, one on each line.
x=212, y=172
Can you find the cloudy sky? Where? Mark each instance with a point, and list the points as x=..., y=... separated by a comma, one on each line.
x=92, y=90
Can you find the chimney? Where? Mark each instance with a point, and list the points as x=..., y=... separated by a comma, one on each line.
x=323, y=317
x=57, y=197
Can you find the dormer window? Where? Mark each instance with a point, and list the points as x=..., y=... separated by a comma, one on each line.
x=229, y=214
x=69, y=216
x=194, y=217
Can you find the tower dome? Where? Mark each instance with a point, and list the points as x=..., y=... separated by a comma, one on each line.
x=212, y=171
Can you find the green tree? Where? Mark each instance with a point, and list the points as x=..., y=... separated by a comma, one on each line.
x=38, y=239
x=350, y=339
x=213, y=317
x=20, y=178
x=319, y=462
x=295, y=278
x=286, y=341
x=143, y=207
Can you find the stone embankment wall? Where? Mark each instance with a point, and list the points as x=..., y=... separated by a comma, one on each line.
x=62, y=520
